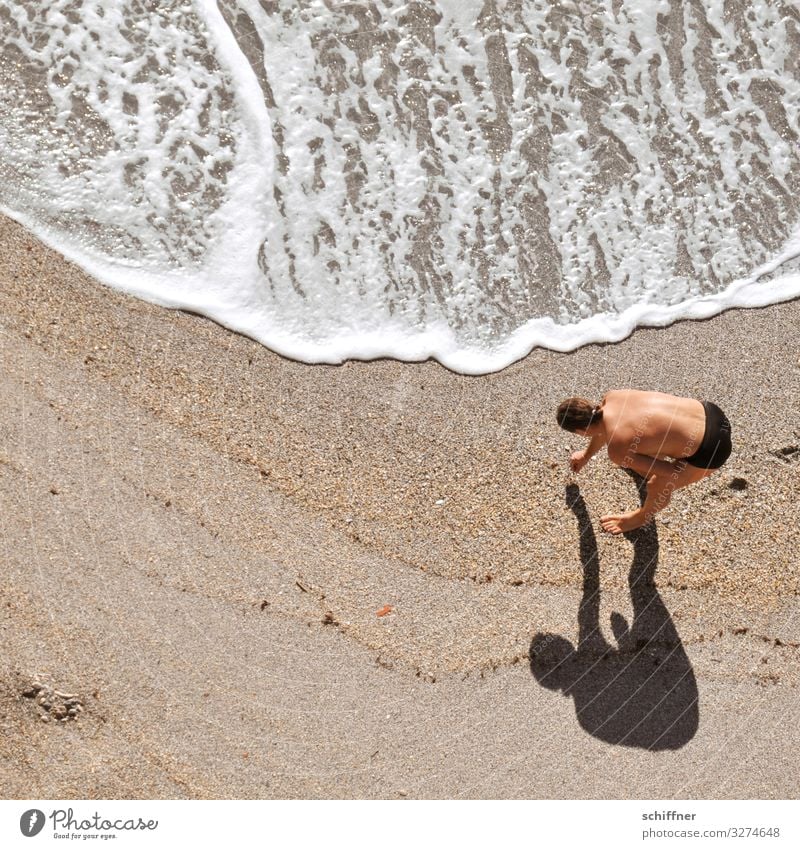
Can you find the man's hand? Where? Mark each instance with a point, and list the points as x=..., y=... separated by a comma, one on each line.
x=578, y=460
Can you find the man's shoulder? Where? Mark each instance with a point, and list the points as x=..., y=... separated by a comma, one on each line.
x=620, y=424
x=614, y=399
x=627, y=393
x=618, y=394
x=629, y=401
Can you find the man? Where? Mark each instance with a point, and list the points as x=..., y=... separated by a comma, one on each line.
x=670, y=441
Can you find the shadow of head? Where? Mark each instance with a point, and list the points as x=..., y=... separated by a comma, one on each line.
x=552, y=661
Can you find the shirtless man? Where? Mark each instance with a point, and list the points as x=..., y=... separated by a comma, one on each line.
x=670, y=441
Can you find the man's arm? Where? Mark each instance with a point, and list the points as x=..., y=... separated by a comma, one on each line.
x=580, y=458
x=595, y=444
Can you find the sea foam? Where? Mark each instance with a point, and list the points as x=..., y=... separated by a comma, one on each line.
x=459, y=180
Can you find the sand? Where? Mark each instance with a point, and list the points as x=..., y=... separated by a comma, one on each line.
x=198, y=535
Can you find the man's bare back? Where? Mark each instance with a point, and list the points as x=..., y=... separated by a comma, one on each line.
x=652, y=423
x=671, y=441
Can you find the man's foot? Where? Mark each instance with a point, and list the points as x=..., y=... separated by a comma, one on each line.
x=623, y=522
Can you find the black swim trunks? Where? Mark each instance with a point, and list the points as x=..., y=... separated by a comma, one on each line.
x=715, y=448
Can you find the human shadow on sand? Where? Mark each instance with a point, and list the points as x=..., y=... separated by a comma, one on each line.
x=643, y=691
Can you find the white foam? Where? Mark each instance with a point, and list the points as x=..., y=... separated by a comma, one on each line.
x=347, y=214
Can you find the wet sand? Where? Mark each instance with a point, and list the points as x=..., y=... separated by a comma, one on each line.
x=197, y=536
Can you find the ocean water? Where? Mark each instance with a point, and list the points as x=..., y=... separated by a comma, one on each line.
x=457, y=179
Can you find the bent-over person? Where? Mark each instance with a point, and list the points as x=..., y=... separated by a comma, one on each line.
x=670, y=441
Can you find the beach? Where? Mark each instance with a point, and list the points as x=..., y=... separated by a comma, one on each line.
x=258, y=578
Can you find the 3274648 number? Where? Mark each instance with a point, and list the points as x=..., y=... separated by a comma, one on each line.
x=755, y=832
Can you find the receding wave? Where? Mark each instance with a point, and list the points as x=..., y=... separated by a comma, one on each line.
x=458, y=179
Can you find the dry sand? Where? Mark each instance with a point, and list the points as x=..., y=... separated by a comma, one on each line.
x=197, y=535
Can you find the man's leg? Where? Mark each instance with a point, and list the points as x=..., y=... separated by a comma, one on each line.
x=659, y=493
